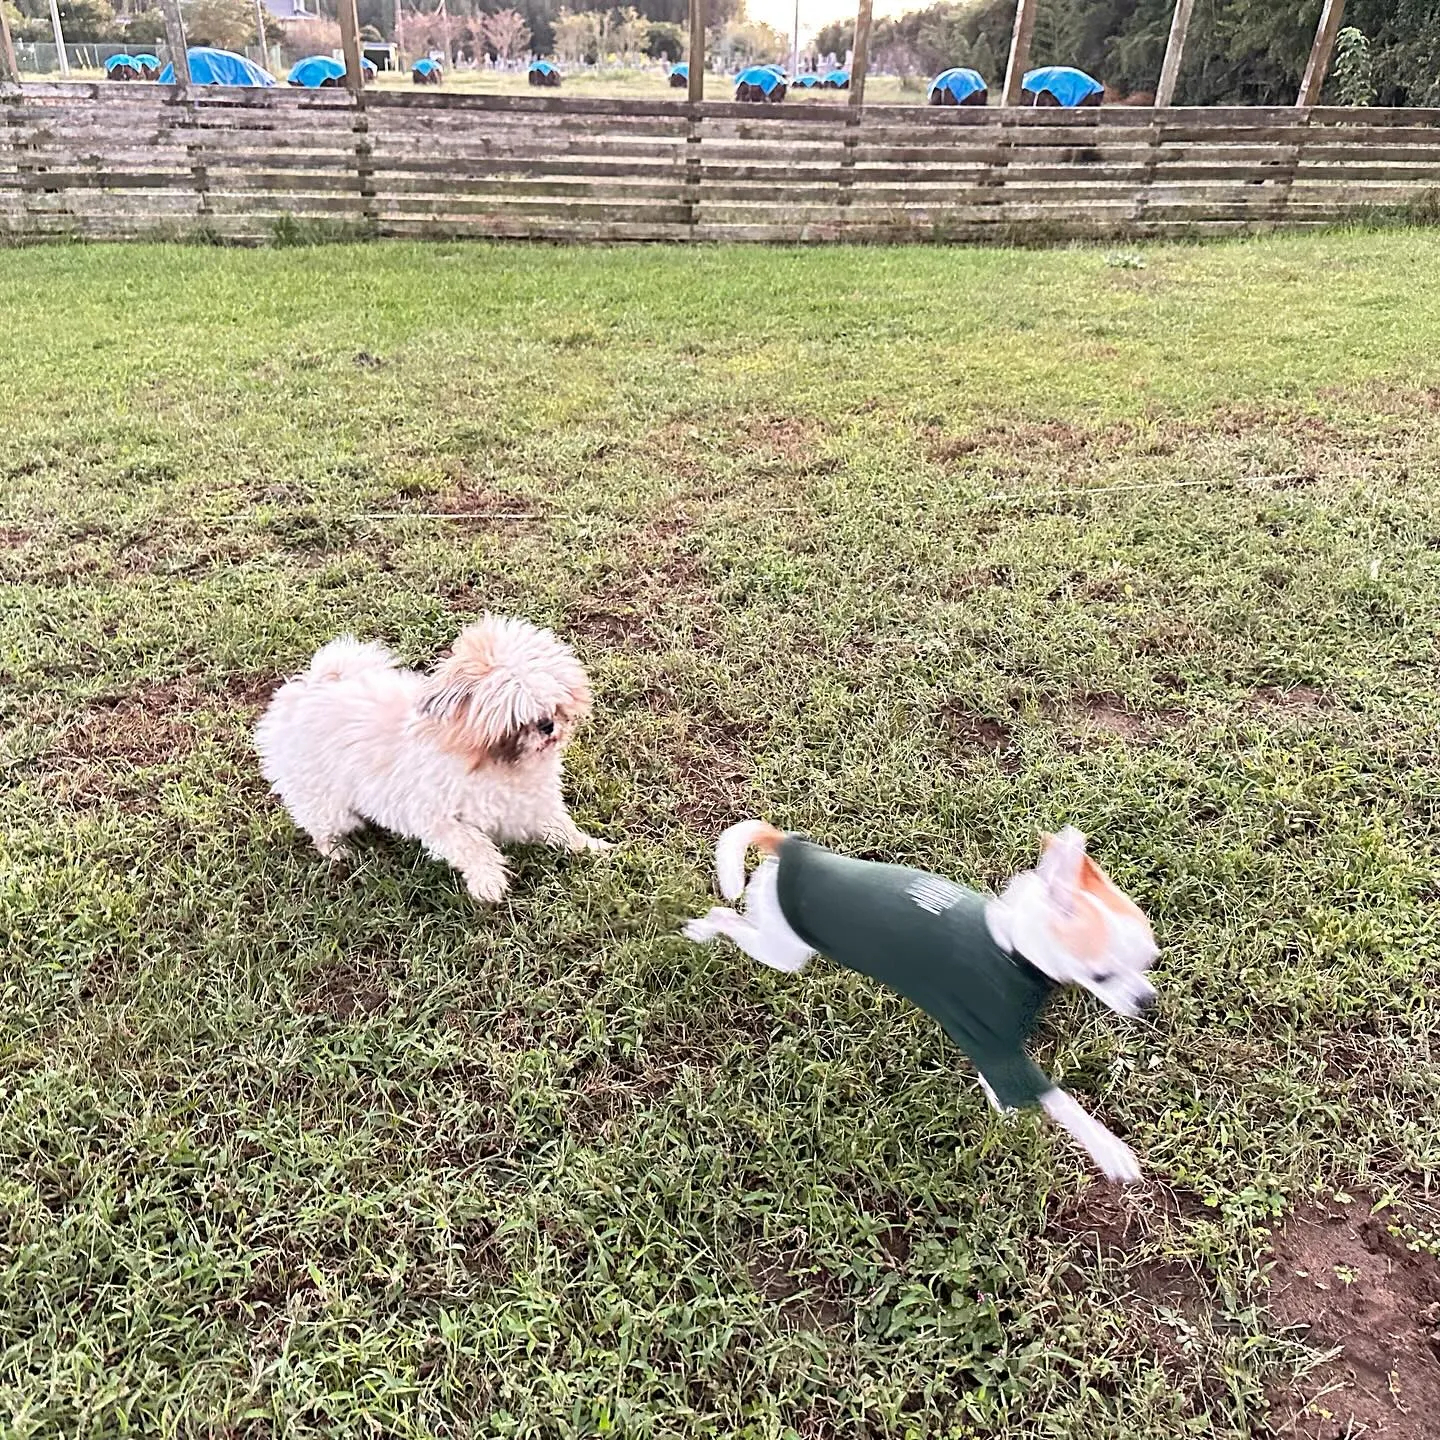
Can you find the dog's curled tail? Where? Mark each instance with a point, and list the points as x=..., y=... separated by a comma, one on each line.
x=732, y=848
x=346, y=656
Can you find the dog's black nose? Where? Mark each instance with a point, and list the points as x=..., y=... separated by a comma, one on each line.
x=546, y=727
x=1147, y=1003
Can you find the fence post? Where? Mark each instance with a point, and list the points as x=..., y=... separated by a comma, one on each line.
x=175, y=39
x=1025, y=13
x=350, y=46
x=59, y=40
x=860, y=60
x=695, y=60
x=1174, y=53
x=1329, y=28
x=9, y=69
x=260, y=33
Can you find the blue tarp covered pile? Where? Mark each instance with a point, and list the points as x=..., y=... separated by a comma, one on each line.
x=760, y=82
x=679, y=76
x=219, y=67
x=316, y=70
x=837, y=80
x=542, y=72
x=1062, y=85
x=958, y=87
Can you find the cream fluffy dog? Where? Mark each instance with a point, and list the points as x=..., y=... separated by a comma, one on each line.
x=463, y=759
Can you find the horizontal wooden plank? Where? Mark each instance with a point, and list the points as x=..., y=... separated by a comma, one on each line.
x=95, y=160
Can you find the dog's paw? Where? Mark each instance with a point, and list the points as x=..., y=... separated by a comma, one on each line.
x=1117, y=1161
x=592, y=842
x=488, y=889
x=335, y=850
x=701, y=930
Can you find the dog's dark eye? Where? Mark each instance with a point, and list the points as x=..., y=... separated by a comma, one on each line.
x=545, y=727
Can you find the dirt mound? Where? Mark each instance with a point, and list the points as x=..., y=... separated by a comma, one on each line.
x=1340, y=1273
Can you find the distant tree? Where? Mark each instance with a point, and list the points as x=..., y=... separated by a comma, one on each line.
x=577, y=36
x=505, y=33
x=629, y=32
x=313, y=37
x=667, y=41
x=82, y=21
x=225, y=24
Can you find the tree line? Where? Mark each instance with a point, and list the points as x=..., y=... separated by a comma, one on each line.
x=503, y=29
x=1238, y=52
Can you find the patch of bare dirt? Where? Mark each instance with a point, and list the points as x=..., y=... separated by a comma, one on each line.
x=1117, y=1227
x=786, y=437
x=972, y=733
x=151, y=725
x=712, y=777
x=12, y=537
x=660, y=599
x=607, y=1094
x=1044, y=439
x=1104, y=714
x=980, y=577
x=807, y=1296
x=482, y=502
x=1355, y=1288
x=342, y=993
x=1293, y=699
x=1379, y=397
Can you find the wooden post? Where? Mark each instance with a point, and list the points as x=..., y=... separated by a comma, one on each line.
x=696, y=57
x=9, y=69
x=260, y=29
x=1174, y=53
x=1025, y=13
x=445, y=34
x=59, y=40
x=175, y=40
x=1320, y=52
x=350, y=46
x=860, y=60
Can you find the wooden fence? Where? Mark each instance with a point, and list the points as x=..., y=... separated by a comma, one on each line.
x=113, y=161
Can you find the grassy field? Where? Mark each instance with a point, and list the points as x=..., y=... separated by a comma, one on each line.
x=653, y=85
x=918, y=550
x=614, y=84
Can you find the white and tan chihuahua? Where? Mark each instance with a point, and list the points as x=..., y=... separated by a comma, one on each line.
x=984, y=966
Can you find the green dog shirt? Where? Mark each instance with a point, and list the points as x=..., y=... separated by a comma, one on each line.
x=925, y=937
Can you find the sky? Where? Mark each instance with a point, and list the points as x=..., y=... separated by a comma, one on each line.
x=815, y=13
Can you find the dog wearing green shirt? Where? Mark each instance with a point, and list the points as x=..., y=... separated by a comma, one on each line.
x=984, y=966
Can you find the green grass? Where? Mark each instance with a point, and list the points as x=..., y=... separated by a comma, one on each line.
x=918, y=550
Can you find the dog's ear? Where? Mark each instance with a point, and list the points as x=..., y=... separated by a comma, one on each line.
x=1061, y=867
x=461, y=696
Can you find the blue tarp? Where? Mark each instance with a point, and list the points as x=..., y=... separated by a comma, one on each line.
x=219, y=67
x=808, y=82
x=542, y=67
x=121, y=62
x=1068, y=85
x=959, y=82
x=681, y=69
x=147, y=62
x=314, y=70
x=763, y=77
x=424, y=67
x=837, y=77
